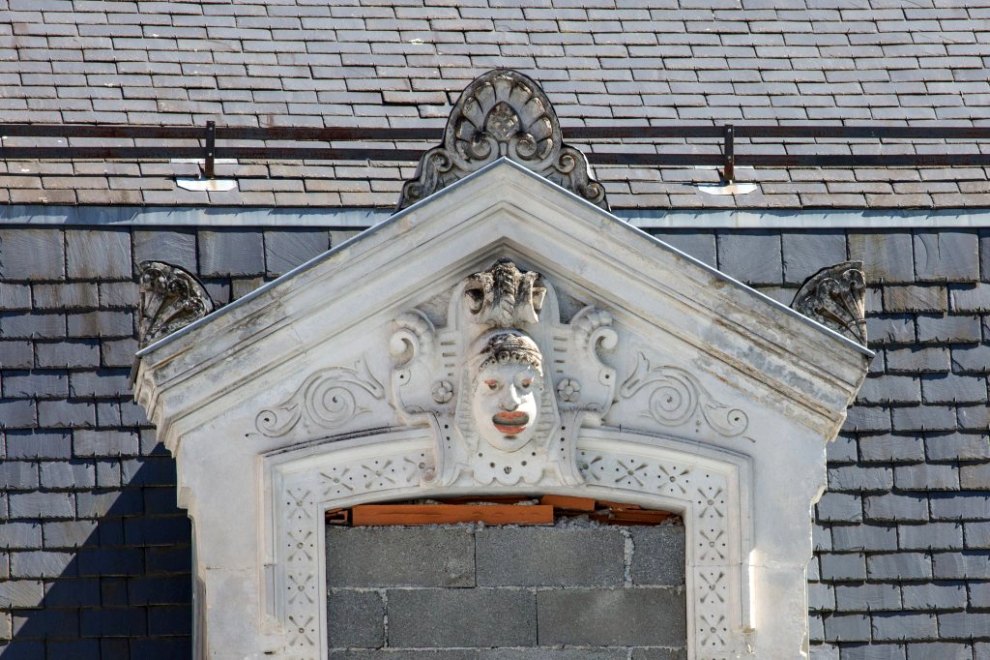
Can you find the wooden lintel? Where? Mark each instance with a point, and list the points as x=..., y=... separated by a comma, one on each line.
x=568, y=503
x=441, y=514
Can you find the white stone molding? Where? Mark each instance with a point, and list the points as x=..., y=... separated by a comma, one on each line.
x=665, y=383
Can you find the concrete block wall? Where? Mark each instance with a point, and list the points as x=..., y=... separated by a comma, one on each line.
x=95, y=556
x=506, y=592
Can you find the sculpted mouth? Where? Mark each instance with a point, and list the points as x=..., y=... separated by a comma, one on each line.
x=510, y=422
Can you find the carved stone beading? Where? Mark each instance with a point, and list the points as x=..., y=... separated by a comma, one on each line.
x=836, y=298
x=502, y=114
x=171, y=299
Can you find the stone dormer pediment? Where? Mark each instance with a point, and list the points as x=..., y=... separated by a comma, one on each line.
x=639, y=372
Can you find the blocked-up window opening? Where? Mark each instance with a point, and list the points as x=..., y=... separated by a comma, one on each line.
x=576, y=587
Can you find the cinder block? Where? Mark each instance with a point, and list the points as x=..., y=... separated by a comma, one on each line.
x=355, y=619
x=658, y=555
x=644, y=616
x=900, y=626
x=867, y=597
x=438, y=618
x=927, y=476
x=753, y=257
x=942, y=255
x=805, y=253
x=888, y=257
x=284, y=249
x=398, y=556
x=32, y=254
x=931, y=536
x=231, y=253
x=566, y=557
x=103, y=254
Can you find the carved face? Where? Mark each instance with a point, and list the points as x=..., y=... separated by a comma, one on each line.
x=506, y=404
x=507, y=384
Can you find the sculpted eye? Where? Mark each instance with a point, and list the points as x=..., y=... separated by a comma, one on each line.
x=492, y=384
x=526, y=382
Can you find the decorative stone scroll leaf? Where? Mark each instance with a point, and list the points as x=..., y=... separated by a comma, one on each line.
x=502, y=114
x=327, y=399
x=676, y=397
x=836, y=298
x=171, y=299
x=504, y=296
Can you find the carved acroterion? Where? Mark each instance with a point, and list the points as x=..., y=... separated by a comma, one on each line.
x=171, y=299
x=502, y=114
x=836, y=298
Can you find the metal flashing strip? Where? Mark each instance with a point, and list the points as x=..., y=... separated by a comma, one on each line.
x=362, y=218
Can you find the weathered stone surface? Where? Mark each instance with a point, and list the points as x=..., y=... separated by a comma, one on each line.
x=930, y=299
x=736, y=252
x=970, y=299
x=927, y=477
x=954, y=389
x=523, y=557
x=806, y=253
x=171, y=246
x=848, y=628
x=971, y=359
x=891, y=449
x=916, y=360
x=930, y=536
x=860, y=479
x=99, y=254
x=284, y=250
x=231, y=253
x=428, y=618
x=896, y=507
x=355, y=619
x=32, y=254
x=863, y=537
x=395, y=556
x=899, y=566
x=643, y=616
x=947, y=256
x=658, y=555
x=934, y=596
x=893, y=627
x=844, y=566
x=868, y=597
x=949, y=329
x=886, y=257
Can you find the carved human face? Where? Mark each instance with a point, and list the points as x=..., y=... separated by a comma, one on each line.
x=506, y=404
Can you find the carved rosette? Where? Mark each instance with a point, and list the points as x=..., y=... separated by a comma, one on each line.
x=836, y=298
x=503, y=347
x=171, y=299
x=502, y=114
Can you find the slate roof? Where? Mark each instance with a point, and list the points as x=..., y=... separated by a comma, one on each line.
x=602, y=62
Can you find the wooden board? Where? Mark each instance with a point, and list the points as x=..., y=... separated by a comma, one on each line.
x=442, y=514
x=568, y=503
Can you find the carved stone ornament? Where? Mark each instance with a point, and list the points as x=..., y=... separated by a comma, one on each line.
x=502, y=114
x=171, y=299
x=505, y=386
x=836, y=298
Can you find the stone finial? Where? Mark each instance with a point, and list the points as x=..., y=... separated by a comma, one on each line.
x=836, y=297
x=502, y=114
x=171, y=299
x=504, y=296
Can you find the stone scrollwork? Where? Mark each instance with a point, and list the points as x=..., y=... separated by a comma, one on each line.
x=171, y=299
x=502, y=114
x=836, y=298
x=505, y=385
x=327, y=399
x=676, y=397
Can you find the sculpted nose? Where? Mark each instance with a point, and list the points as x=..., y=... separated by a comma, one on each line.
x=511, y=400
